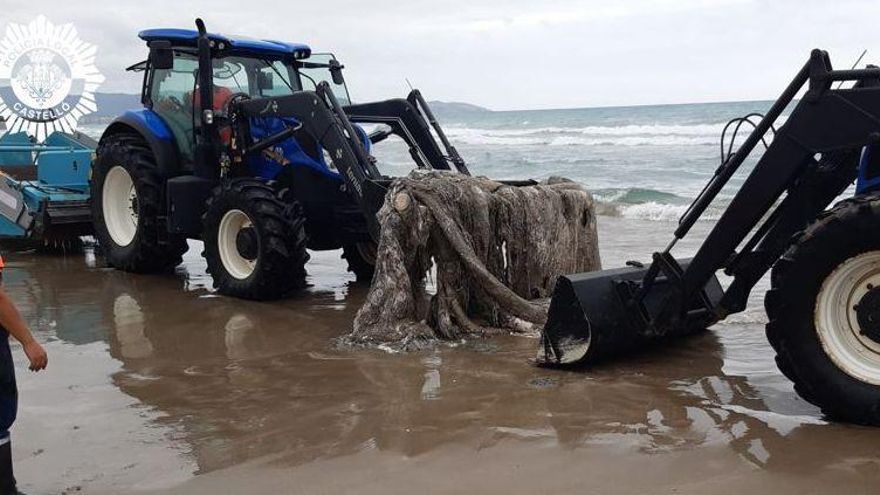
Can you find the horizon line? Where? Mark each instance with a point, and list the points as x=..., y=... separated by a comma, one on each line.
x=548, y=109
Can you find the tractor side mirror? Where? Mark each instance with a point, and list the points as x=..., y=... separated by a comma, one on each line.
x=265, y=80
x=336, y=72
x=161, y=55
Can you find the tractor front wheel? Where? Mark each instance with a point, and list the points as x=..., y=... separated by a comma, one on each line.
x=255, y=243
x=824, y=312
x=127, y=207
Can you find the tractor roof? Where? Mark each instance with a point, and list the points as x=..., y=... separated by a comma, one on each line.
x=239, y=44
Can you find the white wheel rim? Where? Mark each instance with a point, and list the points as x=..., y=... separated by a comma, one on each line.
x=837, y=321
x=233, y=222
x=119, y=205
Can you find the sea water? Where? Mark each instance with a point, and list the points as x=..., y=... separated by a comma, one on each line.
x=645, y=162
x=642, y=162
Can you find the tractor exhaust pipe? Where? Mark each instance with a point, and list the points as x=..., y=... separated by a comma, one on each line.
x=597, y=315
x=207, y=143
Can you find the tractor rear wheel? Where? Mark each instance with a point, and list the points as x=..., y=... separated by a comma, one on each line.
x=255, y=243
x=824, y=311
x=127, y=207
x=361, y=258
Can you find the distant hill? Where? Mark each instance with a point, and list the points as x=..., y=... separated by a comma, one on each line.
x=110, y=105
x=455, y=107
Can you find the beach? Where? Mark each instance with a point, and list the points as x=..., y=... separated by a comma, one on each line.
x=158, y=385
x=155, y=385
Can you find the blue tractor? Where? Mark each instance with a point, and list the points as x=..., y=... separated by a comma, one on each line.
x=253, y=147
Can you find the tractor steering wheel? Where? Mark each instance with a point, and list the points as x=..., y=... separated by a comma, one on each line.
x=223, y=117
x=236, y=97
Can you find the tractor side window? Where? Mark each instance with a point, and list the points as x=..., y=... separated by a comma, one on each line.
x=171, y=96
x=312, y=76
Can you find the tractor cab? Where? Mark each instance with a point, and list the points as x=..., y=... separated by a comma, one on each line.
x=240, y=68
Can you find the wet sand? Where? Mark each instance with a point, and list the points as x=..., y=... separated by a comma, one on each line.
x=156, y=385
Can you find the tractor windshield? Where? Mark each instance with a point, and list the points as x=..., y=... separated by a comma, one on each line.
x=174, y=92
x=257, y=78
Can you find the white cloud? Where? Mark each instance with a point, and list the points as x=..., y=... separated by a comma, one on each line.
x=513, y=53
x=550, y=14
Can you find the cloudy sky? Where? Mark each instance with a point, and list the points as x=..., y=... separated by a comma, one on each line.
x=512, y=54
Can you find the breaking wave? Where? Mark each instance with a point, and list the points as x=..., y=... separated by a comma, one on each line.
x=636, y=195
x=644, y=204
x=625, y=135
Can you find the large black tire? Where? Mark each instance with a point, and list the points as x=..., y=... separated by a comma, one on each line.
x=808, y=293
x=361, y=258
x=151, y=249
x=264, y=257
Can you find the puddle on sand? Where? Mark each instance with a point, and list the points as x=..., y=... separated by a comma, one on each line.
x=164, y=380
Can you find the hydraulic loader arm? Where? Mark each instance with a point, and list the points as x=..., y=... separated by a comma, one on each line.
x=320, y=114
x=811, y=160
x=412, y=120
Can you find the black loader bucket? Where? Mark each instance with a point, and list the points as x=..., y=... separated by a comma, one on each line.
x=599, y=314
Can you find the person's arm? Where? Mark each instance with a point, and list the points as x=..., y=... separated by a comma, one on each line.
x=12, y=321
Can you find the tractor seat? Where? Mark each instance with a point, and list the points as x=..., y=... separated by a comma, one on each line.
x=222, y=95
